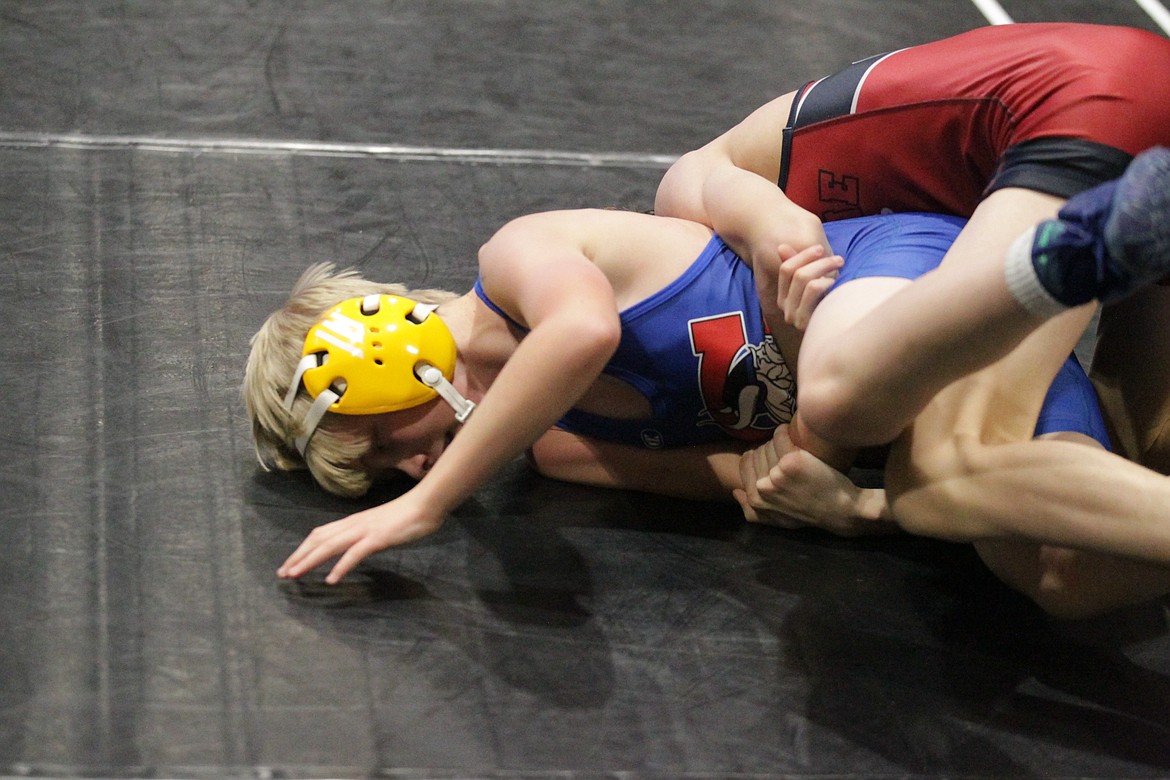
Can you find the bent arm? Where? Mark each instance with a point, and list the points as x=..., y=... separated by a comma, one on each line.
x=730, y=185
x=547, y=282
x=755, y=217
x=811, y=494
x=568, y=305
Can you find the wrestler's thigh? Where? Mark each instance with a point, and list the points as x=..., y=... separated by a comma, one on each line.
x=996, y=223
x=956, y=434
x=1001, y=403
x=842, y=308
x=1131, y=371
x=1072, y=583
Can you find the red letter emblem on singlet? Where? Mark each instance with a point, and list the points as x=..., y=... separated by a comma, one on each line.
x=746, y=388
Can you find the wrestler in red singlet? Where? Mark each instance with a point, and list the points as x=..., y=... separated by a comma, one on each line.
x=1051, y=107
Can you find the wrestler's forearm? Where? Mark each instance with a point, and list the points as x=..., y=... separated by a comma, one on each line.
x=755, y=217
x=702, y=472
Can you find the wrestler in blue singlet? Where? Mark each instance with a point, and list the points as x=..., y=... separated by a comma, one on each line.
x=699, y=351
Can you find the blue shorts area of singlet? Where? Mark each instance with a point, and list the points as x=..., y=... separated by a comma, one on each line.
x=906, y=246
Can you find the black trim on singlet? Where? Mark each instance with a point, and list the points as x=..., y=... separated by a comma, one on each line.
x=786, y=138
x=817, y=101
x=1058, y=166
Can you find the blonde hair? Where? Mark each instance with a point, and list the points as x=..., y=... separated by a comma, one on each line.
x=332, y=456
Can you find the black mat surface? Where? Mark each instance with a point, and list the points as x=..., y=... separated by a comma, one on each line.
x=166, y=171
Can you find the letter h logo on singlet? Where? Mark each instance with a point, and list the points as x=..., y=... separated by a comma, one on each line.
x=840, y=194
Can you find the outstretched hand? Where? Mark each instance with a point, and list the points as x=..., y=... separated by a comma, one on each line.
x=358, y=536
x=791, y=488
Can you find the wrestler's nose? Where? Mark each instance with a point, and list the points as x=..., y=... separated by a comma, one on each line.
x=416, y=466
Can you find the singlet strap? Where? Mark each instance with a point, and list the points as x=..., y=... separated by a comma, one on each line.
x=483, y=296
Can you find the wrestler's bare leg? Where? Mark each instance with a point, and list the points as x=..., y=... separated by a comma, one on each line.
x=969, y=471
x=875, y=379
x=1073, y=584
x=1110, y=241
x=1070, y=583
x=965, y=475
x=1131, y=371
x=966, y=471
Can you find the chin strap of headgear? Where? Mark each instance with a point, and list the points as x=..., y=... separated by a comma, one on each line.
x=433, y=377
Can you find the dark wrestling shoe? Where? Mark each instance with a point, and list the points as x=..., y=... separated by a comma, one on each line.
x=1137, y=231
x=1111, y=240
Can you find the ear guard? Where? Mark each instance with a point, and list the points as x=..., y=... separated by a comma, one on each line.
x=381, y=353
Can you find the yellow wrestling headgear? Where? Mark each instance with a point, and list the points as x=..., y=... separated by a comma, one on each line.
x=381, y=353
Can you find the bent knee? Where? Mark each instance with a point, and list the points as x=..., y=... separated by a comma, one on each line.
x=1065, y=583
x=1068, y=587
x=840, y=410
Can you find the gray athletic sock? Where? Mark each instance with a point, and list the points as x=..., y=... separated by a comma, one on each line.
x=1024, y=284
